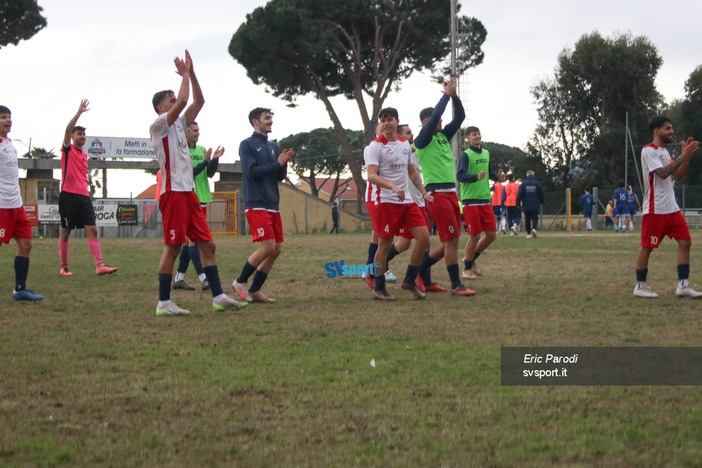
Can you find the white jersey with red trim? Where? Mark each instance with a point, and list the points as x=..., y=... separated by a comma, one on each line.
x=10, y=195
x=416, y=194
x=392, y=159
x=659, y=195
x=173, y=155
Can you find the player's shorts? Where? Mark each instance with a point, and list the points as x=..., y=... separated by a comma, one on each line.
x=624, y=211
x=498, y=211
x=394, y=216
x=408, y=235
x=14, y=223
x=479, y=218
x=446, y=214
x=265, y=225
x=587, y=215
x=655, y=226
x=76, y=211
x=183, y=217
x=372, y=207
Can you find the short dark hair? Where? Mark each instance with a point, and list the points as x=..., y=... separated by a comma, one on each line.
x=5, y=110
x=425, y=114
x=159, y=97
x=657, y=121
x=78, y=128
x=471, y=129
x=510, y=177
x=388, y=112
x=622, y=184
x=401, y=127
x=257, y=112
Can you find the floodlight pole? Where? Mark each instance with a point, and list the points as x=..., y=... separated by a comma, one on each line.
x=626, y=151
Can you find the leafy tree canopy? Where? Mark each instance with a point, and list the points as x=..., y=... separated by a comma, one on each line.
x=40, y=153
x=582, y=108
x=19, y=19
x=358, y=49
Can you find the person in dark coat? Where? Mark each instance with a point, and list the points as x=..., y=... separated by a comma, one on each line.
x=335, y=218
x=529, y=198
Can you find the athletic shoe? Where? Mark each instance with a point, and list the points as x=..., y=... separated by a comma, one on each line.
x=64, y=271
x=170, y=308
x=242, y=289
x=182, y=284
x=469, y=275
x=26, y=295
x=389, y=277
x=420, y=284
x=226, y=303
x=435, y=287
x=104, y=270
x=461, y=290
x=261, y=298
x=476, y=270
x=528, y=236
x=382, y=295
x=513, y=231
x=205, y=284
x=533, y=234
x=413, y=289
x=645, y=292
x=687, y=291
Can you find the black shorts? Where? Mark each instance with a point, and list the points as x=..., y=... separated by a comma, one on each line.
x=76, y=211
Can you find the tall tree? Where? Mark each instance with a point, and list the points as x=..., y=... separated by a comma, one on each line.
x=19, y=19
x=318, y=153
x=686, y=115
x=582, y=108
x=356, y=48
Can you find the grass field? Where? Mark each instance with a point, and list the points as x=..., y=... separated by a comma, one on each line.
x=91, y=377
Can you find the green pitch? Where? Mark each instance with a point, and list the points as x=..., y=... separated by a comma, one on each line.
x=91, y=377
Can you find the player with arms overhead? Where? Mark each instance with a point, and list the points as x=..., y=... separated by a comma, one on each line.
x=182, y=215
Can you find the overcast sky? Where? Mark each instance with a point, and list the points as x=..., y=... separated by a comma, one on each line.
x=117, y=54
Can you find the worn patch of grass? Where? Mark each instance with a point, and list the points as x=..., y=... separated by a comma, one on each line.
x=92, y=377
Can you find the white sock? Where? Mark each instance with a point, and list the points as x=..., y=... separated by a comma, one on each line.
x=683, y=283
x=219, y=297
x=179, y=276
x=640, y=284
x=202, y=277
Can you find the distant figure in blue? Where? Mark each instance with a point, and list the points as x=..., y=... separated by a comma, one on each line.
x=588, y=201
x=530, y=197
x=621, y=204
x=633, y=202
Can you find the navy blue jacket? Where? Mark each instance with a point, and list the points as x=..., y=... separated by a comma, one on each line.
x=259, y=162
x=530, y=194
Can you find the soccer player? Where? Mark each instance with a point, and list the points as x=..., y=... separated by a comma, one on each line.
x=205, y=164
x=404, y=239
x=661, y=215
x=588, y=201
x=499, y=197
x=263, y=166
x=436, y=158
x=633, y=204
x=621, y=203
x=389, y=167
x=13, y=219
x=513, y=215
x=474, y=172
x=182, y=215
x=75, y=206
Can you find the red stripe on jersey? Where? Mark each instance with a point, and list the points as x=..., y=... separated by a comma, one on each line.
x=651, y=193
x=167, y=152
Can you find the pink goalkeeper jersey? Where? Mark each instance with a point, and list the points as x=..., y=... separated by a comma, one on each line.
x=659, y=196
x=74, y=170
x=173, y=155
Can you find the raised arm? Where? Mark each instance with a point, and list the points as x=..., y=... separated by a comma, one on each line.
x=214, y=162
x=198, y=99
x=72, y=123
x=183, y=69
x=451, y=89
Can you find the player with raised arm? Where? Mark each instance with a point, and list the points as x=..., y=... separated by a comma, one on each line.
x=75, y=205
x=182, y=216
x=433, y=149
